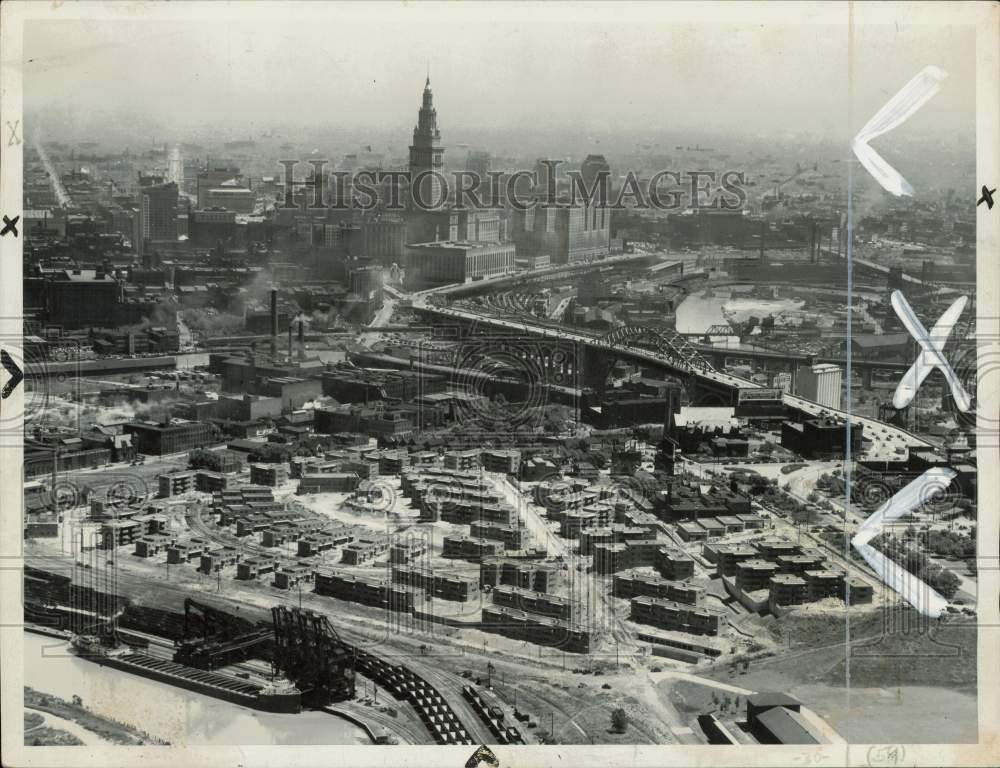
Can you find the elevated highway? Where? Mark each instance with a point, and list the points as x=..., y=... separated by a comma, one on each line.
x=555, y=272
x=885, y=438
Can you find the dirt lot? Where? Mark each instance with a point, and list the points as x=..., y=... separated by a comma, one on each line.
x=894, y=686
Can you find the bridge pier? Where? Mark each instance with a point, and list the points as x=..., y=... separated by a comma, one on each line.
x=596, y=365
x=701, y=393
x=866, y=377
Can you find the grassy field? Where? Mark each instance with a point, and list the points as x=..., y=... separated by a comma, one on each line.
x=50, y=737
x=107, y=729
x=692, y=699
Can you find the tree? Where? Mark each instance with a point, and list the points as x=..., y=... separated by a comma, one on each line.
x=619, y=721
x=202, y=459
x=272, y=453
x=942, y=580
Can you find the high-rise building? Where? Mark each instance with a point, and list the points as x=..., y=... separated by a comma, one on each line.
x=426, y=153
x=157, y=219
x=366, y=282
x=566, y=233
x=592, y=167
x=384, y=238
x=231, y=196
x=819, y=383
x=782, y=380
x=219, y=175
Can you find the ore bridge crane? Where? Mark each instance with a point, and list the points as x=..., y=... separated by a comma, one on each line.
x=214, y=638
x=310, y=653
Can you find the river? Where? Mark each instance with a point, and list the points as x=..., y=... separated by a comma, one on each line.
x=695, y=314
x=172, y=714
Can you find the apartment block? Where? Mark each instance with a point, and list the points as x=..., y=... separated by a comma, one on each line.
x=512, y=537
x=443, y=585
x=666, y=614
x=634, y=584
x=367, y=590
x=468, y=548
x=539, y=577
x=533, y=602
x=365, y=550
x=541, y=630
x=752, y=575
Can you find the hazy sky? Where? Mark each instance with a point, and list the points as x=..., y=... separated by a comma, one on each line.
x=512, y=70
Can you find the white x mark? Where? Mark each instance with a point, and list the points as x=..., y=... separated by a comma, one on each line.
x=930, y=356
x=896, y=111
x=13, y=133
x=911, y=588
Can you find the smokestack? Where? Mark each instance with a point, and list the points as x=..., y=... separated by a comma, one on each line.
x=290, y=341
x=302, y=339
x=763, y=228
x=812, y=242
x=274, y=323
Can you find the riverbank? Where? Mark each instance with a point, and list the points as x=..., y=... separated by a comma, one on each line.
x=171, y=714
x=103, y=727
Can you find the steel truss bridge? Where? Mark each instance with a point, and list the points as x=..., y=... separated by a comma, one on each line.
x=666, y=344
x=591, y=356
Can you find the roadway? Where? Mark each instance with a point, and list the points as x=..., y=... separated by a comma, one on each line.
x=592, y=593
x=381, y=319
x=556, y=271
x=62, y=196
x=886, y=439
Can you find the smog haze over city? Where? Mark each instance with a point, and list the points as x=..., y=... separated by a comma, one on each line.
x=521, y=82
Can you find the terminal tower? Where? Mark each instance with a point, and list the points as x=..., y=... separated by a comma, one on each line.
x=426, y=153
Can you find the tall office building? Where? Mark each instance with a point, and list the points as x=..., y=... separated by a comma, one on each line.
x=819, y=383
x=157, y=219
x=219, y=175
x=426, y=152
x=592, y=167
x=366, y=283
x=565, y=234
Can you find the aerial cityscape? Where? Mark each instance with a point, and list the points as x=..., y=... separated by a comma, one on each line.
x=368, y=435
